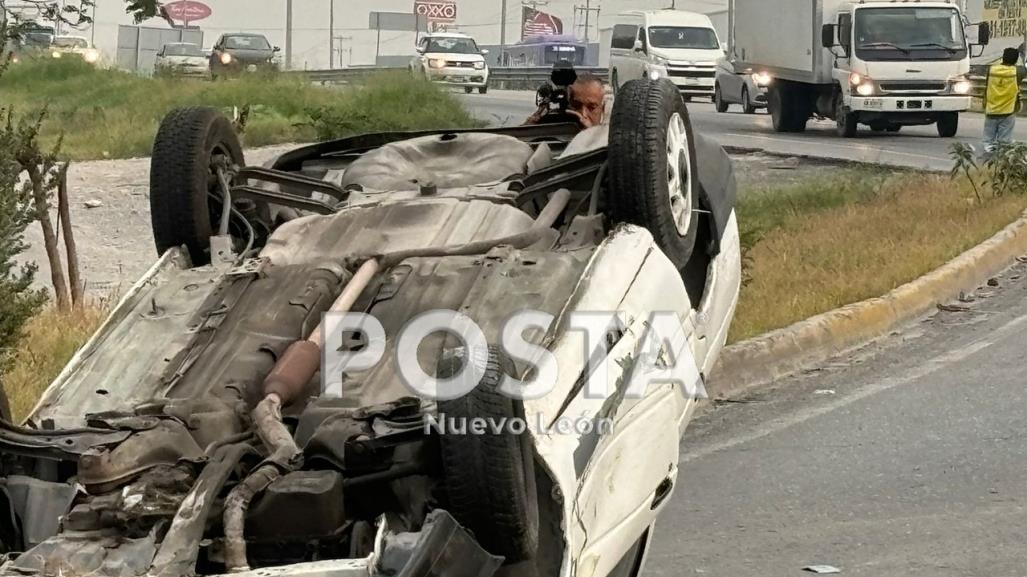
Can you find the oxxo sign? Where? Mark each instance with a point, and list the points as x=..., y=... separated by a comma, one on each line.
x=436, y=11
x=187, y=10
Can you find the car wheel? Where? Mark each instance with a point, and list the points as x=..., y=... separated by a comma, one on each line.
x=468, y=90
x=652, y=166
x=490, y=478
x=747, y=106
x=183, y=176
x=483, y=89
x=948, y=124
x=847, y=121
x=718, y=99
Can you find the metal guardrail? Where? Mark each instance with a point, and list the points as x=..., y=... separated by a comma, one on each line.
x=534, y=75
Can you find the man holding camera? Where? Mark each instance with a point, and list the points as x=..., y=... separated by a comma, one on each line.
x=586, y=102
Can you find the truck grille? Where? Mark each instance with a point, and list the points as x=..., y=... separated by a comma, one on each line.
x=913, y=86
x=451, y=64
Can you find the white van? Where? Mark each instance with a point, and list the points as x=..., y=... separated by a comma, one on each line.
x=682, y=46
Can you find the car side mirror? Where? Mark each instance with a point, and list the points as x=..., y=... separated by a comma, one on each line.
x=485, y=52
x=984, y=33
x=639, y=47
x=827, y=36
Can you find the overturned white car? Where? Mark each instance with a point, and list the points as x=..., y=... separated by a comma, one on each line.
x=195, y=434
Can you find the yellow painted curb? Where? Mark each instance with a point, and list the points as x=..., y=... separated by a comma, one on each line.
x=763, y=359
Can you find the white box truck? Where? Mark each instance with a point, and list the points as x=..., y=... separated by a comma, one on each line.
x=879, y=63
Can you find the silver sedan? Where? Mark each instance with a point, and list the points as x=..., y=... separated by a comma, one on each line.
x=745, y=87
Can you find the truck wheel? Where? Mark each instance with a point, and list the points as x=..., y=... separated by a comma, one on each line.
x=787, y=109
x=846, y=120
x=653, y=180
x=189, y=144
x=483, y=89
x=718, y=99
x=490, y=478
x=948, y=124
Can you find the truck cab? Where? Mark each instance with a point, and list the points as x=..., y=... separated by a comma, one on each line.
x=681, y=46
x=898, y=64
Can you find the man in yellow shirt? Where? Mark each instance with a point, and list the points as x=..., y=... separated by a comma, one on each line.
x=1002, y=100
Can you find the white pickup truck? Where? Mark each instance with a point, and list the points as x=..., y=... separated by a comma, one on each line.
x=879, y=63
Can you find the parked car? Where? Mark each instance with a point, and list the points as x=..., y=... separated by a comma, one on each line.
x=74, y=47
x=182, y=59
x=192, y=436
x=452, y=59
x=238, y=53
x=682, y=46
x=746, y=87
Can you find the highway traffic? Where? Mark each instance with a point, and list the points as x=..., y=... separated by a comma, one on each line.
x=915, y=147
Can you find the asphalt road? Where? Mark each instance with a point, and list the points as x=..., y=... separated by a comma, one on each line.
x=915, y=147
x=907, y=459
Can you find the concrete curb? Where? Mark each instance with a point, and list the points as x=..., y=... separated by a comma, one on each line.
x=761, y=360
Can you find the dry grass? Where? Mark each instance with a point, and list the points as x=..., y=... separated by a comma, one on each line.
x=51, y=339
x=884, y=230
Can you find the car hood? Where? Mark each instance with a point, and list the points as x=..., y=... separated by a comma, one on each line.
x=251, y=56
x=456, y=57
x=186, y=60
x=688, y=56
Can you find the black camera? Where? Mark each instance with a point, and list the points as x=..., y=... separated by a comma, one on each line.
x=555, y=95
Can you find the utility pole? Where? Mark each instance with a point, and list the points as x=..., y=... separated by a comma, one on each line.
x=587, y=9
x=502, y=35
x=331, y=34
x=288, y=34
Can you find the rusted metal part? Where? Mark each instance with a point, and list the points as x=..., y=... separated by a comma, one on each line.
x=180, y=547
x=168, y=443
x=293, y=371
x=285, y=456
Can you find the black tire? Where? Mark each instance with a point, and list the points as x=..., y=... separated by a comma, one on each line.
x=490, y=479
x=747, y=106
x=182, y=178
x=718, y=99
x=483, y=90
x=948, y=124
x=894, y=128
x=639, y=189
x=788, y=109
x=846, y=121
x=468, y=90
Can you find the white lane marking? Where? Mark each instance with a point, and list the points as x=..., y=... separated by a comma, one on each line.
x=864, y=150
x=933, y=365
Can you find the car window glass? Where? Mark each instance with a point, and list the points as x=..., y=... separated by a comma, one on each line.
x=686, y=37
x=65, y=42
x=182, y=50
x=453, y=46
x=624, y=36
x=247, y=43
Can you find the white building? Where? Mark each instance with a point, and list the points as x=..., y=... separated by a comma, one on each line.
x=355, y=44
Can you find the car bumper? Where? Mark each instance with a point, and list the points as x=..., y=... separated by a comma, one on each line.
x=692, y=86
x=459, y=77
x=907, y=104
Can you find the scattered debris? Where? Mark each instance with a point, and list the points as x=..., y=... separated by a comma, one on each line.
x=824, y=392
x=93, y=203
x=966, y=298
x=822, y=569
x=953, y=308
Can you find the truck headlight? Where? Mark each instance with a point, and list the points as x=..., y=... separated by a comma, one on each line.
x=961, y=86
x=437, y=63
x=762, y=78
x=865, y=89
x=479, y=66
x=226, y=58
x=855, y=79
